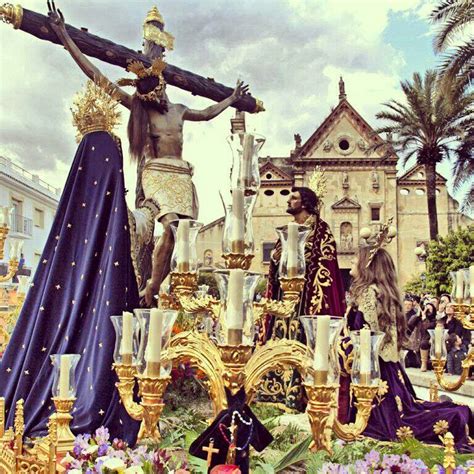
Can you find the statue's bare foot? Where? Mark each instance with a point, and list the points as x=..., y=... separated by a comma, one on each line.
x=152, y=289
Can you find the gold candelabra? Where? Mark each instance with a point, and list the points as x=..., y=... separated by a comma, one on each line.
x=465, y=314
x=235, y=366
x=151, y=388
x=439, y=364
x=322, y=409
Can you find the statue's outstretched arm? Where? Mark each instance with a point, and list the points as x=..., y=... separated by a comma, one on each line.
x=56, y=21
x=214, y=110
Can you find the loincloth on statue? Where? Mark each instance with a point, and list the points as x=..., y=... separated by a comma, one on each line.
x=168, y=183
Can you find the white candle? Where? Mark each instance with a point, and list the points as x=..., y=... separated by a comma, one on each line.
x=471, y=282
x=127, y=333
x=23, y=284
x=64, y=369
x=238, y=229
x=235, y=298
x=439, y=336
x=321, y=350
x=153, y=350
x=246, y=165
x=459, y=285
x=365, y=350
x=183, y=245
x=292, y=261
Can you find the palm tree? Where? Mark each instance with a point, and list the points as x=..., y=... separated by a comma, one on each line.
x=435, y=123
x=455, y=16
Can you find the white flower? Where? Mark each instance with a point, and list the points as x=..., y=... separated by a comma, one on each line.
x=74, y=471
x=115, y=463
x=92, y=449
x=134, y=470
x=67, y=459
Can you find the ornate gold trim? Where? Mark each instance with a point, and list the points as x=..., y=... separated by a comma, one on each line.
x=364, y=395
x=203, y=354
x=237, y=260
x=259, y=106
x=11, y=14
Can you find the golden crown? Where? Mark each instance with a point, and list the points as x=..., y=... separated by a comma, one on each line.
x=155, y=70
x=318, y=183
x=95, y=109
x=385, y=235
x=153, y=33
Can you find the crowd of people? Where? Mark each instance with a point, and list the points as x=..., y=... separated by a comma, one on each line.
x=425, y=312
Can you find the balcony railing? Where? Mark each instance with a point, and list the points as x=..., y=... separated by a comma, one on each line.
x=21, y=225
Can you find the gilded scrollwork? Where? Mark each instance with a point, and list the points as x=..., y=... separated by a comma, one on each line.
x=274, y=355
x=203, y=354
x=364, y=395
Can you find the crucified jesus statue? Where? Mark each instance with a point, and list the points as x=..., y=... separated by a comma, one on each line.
x=155, y=132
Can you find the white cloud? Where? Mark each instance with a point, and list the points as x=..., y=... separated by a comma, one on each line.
x=291, y=52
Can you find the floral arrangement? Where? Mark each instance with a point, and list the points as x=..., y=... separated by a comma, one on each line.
x=374, y=463
x=97, y=454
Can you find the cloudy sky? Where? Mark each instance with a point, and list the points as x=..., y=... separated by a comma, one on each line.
x=291, y=52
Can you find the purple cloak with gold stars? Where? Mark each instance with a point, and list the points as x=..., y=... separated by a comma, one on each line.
x=84, y=276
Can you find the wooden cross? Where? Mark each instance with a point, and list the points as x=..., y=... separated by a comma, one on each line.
x=210, y=451
x=37, y=25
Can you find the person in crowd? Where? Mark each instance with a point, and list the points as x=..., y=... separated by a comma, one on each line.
x=412, y=358
x=378, y=303
x=456, y=354
x=418, y=325
x=455, y=326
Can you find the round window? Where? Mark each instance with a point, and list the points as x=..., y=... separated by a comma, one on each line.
x=268, y=192
x=284, y=192
x=268, y=176
x=344, y=144
x=404, y=192
x=420, y=191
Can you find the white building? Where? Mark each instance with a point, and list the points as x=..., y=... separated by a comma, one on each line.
x=34, y=202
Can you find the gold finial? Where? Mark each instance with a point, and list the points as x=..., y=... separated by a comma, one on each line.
x=155, y=34
x=449, y=461
x=19, y=422
x=95, y=110
x=154, y=15
x=11, y=14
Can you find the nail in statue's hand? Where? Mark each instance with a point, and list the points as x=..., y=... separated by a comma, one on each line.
x=56, y=18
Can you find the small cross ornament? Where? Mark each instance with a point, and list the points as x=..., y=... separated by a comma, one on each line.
x=210, y=451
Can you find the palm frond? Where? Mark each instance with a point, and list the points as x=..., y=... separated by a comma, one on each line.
x=459, y=61
x=297, y=453
x=454, y=16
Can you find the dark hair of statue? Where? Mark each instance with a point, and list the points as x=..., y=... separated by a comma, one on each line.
x=139, y=123
x=381, y=272
x=308, y=198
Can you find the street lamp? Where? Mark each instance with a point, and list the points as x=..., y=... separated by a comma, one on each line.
x=421, y=252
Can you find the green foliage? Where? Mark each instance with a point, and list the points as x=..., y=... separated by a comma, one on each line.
x=414, y=285
x=261, y=286
x=207, y=278
x=265, y=411
x=448, y=254
x=296, y=454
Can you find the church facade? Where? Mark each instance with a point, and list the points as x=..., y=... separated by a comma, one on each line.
x=362, y=190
